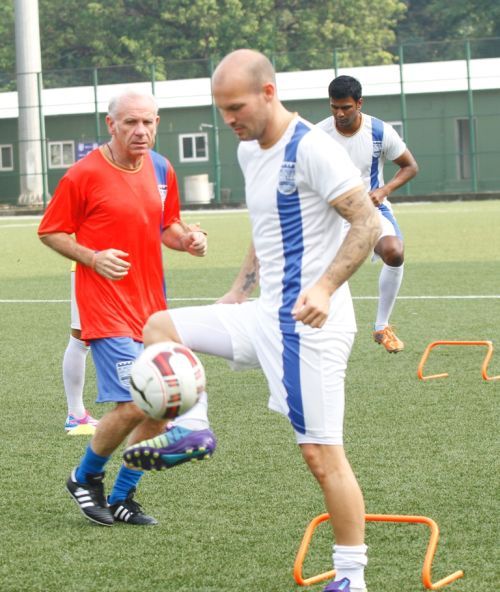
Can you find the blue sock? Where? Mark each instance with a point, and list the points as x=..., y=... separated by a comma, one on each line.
x=125, y=481
x=90, y=464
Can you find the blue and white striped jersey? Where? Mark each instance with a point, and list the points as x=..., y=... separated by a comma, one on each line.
x=375, y=142
x=290, y=189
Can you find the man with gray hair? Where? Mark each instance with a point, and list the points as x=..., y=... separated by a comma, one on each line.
x=121, y=202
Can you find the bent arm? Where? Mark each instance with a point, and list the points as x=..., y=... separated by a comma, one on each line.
x=183, y=237
x=408, y=168
x=109, y=263
x=66, y=245
x=313, y=304
x=359, y=241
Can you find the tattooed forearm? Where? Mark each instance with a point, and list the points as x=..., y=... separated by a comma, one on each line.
x=363, y=234
x=248, y=276
x=249, y=282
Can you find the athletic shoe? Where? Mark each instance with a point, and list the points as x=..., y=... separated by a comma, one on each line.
x=389, y=340
x=90, y=498
x=130, y=511
x=73, y=422
x=175, y=446
x=338, y=586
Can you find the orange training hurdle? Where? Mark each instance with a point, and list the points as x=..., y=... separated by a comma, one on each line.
x=484, y=368
x=429, y=555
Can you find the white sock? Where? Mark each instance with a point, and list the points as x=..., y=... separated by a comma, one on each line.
x=197, y=417
x=74, y=375
x=349, y=562
x=389, y=283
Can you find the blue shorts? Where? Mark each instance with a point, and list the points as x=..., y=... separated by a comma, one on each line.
x=113, y=358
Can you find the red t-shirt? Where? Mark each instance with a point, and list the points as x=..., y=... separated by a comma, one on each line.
x=107, y=207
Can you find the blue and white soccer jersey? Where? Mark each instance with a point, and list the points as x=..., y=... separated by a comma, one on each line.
x=290, y=189
x=369, y=148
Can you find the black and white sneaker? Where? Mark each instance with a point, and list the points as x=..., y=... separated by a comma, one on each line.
x=130, y=511
x=90, y=498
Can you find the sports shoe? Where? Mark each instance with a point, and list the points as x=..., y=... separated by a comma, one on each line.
x=73, y=422
x=130, y=511
x=342, y=585
x=175, y=446
x=389, y=340
x=338, y=585
x=90, y=498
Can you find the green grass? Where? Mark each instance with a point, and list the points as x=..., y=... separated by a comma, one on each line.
x=234, y=524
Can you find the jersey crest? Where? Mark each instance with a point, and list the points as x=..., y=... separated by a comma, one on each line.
x=286, y=182
x=377, y=148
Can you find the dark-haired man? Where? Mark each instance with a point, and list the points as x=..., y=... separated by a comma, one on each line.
x=370, y=142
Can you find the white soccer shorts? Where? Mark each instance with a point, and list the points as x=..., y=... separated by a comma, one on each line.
x=75, y=315
x=305, y=370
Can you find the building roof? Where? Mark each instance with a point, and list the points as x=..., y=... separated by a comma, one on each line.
x=418, y=78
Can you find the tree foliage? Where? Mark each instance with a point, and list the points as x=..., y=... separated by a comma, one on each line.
x=444, y=26
x=125, y=39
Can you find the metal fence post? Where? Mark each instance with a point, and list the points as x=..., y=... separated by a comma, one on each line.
x=470, y=106
x=95, y=82
x=335, y=62
x=215, y=128
x=404, y=114
x=153, y=92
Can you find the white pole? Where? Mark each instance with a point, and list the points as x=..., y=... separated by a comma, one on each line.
x=28, y=65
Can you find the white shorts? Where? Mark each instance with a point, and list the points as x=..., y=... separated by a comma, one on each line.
x=75, y=315
x=305, y=370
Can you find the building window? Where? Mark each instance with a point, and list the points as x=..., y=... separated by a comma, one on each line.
x=61, y=154
x=193, y=147
x=6, y=160
x=398, y=126
x=464, y=148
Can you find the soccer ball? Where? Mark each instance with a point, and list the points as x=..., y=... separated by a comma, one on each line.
x=166, y=380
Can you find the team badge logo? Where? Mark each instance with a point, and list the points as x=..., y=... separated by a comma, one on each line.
x=123, y=371
x=286, y=183
x=163, y=191
x=377, y=148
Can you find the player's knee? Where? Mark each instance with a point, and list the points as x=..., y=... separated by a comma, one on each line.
x=391, y=251
x=313, y=455
x=325, y=462
x=159, y=327
x=129, y=414
x=394, y=258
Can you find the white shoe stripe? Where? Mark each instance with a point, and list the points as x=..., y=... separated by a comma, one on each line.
x=122, y=514
x=83, y=499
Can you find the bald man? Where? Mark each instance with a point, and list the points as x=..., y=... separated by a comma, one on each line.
x=300, y=187
x=120, y=202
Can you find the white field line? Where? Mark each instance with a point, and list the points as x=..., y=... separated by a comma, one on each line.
x=191, y=299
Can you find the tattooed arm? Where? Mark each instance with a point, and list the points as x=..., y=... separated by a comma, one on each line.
x=313, y=304
x=245, y=281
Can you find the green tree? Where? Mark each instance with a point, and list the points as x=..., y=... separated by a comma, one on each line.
x=444, y=26
x=125, y=39
x=7, y=46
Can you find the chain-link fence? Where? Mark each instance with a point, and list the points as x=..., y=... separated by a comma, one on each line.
x=443, y=97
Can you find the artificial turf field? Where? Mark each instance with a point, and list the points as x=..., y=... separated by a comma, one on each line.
x=234, y=524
